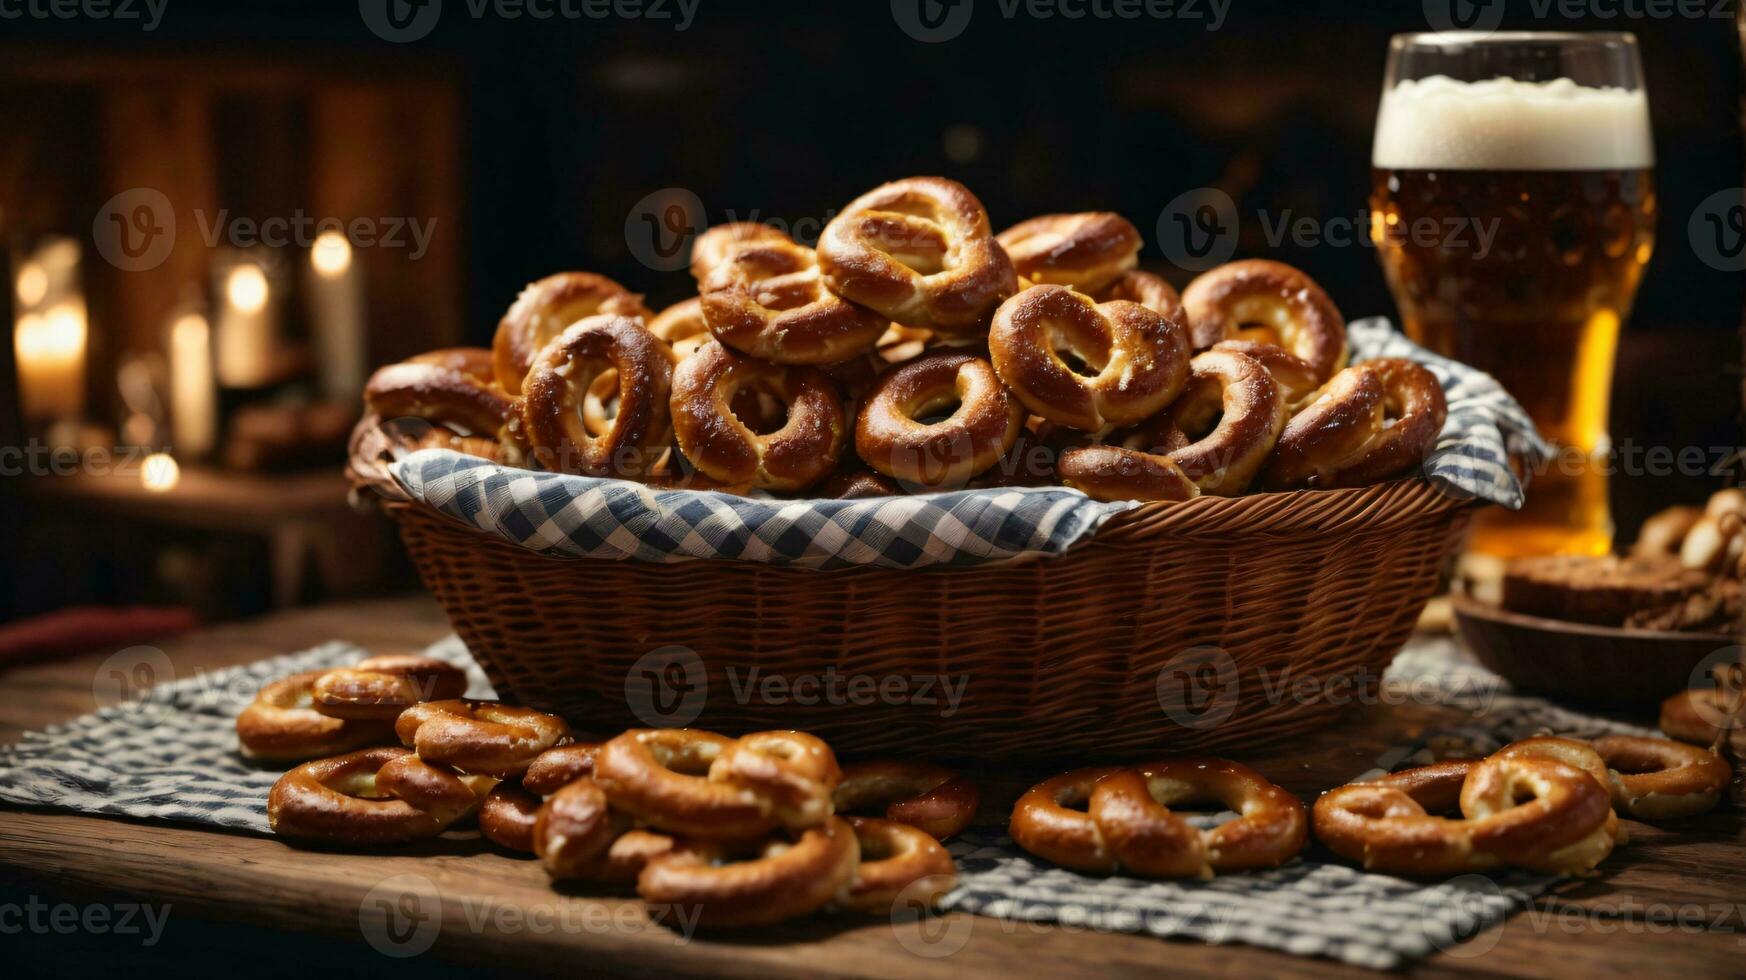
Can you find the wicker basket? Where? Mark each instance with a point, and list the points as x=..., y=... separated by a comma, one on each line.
x=1052, y=657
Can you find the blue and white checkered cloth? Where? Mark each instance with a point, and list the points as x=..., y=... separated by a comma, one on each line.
x=586, y=517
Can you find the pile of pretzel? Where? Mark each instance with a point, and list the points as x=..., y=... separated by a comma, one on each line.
x=915, y=350
x=744, y=831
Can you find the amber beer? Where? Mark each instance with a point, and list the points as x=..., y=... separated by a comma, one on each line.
x=1513, y=221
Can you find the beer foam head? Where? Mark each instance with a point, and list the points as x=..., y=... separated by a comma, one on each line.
x=1438, y=123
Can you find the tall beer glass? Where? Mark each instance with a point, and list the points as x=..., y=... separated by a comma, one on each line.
x=1513, y=207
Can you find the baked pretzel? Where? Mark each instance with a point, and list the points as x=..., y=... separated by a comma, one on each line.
x=899, y=864
x=1413, y=412
x=920, y=252
x=1147, y=289
x=506, y=817
x=1578, y=755
x=474, y=362
x=749, y=883
x=681, y=328
x=282, y=725
x=1561, y=828
x=769, y=301
x=1237, y=393
x=1136, y=360
x=1393, y=825
x=1320, y=440
x=898, y=432
x=374, y=796
x=558, y=767
x=719, y=243
x=720, y=444
x=1258, y=299
x=440, y=393
x=379, y=688
x=483, y=737
x=1086, y=251
x=934, y=799
x=1705, y=716
x=861, y=484
x=1658, y=779
x=1295, y=376
x=546, y=309
x=573, y=829
x=1127, y=825
x=796, y=773
x=565, y=433
x=660, y=777
x=1124, y=472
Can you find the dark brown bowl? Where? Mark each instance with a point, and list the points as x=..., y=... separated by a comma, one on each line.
x=1598, y=666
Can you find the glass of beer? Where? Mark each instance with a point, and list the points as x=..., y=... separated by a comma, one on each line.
x=1513, y=207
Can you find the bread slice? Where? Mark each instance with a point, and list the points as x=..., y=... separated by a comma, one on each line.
x=1603, y=590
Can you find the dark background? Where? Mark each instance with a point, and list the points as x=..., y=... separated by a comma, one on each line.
x=787, y=110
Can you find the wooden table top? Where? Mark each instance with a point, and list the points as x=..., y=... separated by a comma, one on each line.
x=1672, y=902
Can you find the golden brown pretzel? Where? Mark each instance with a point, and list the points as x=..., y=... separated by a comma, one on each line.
x=1295, y=376
x=357, y=798
x=920, y=252
x=754, y=882
x=1237, y=392
x=719, y=243
x=803, y=451
x=480, y=736
x=380, y=688
x=1147, y=289
x=474, y=362
x=1258, y=299
x=935, y=799
x=1701, y=716
x=1321, y=438
x=681, y=328
x=507, y=816
x=558, y=767
x=282, y=725
x=1050, y=822
x=1137, y=360
x=861, y=484
x=559, y=385
x=1578, y=755
x=546, y=309
x=573, y=830
x=1124, y=472
x=660, y=777
x=898, y=863
x=795, y=772
x=1658, y=779
x=1086, y=251
x=439, y=393
x=1414, y=411
x=1561, y=828
x=1387, y=824
x=769, y=301
x=896, y=434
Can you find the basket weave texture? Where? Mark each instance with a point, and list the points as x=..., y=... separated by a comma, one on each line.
x=1217, y=622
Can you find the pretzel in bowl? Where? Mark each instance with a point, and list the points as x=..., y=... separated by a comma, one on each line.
x=920, y=252
x=570, y=436
x=723, y=447
x=768, y=300
x=1127, y=824
x=1147, y=289
x=1130, y=471
x=1295, y=376
x=481, y=737
x=546, y=309
x=1222, y=428
x=374, y=796
x=1659, y=779
x=681, y=328
x=1086, y=251
x=282, y=725
x=719, y=243
x=901, y=431
x=379, y=688
x=755, y=882
x=935, y=799
x=508, y=814
x=444, y=389
x=1136, y=361
x=899, y=864
x=1258, y=299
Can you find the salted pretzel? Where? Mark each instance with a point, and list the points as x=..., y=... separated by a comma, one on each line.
x=1258, y=299
x=282, y=725
x=546, y=309
x=1578, y=755
x=718, y=244
x=507, y=815
x=1235, y=392
x=1147, y=289
x=559, y=766
x=920, y=252
x=756, y=882
x=681, y=328
x=899, y=432
x=1136, y=360
x=1085, y=251
x=474, y=362
x=1561, y=828
x=796, y=773
x=577, y=838
x=768, y=300
x=899, y=863
x=720, y=444
x=1403, y=432
x=660, y=776
x=1295, y=376
x=483, y=737
x=373, y=796
x=380, y=688
x=1127, y=824
x=445, y=392
x=1393, y=824
x=1319, y=440
x=559, y=386
x=1125, y=472
x=935, y=799
x=1659, y=779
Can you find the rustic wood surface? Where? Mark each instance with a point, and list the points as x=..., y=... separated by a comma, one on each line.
x=1672, y=903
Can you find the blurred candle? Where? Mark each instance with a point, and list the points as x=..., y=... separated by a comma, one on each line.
x=50, y=350
x=336, y=303
x=245, y=328
x=158, y=473
x=193, y=388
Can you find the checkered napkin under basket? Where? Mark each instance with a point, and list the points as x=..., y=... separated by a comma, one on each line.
x=172, y=756
x=594, y=518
